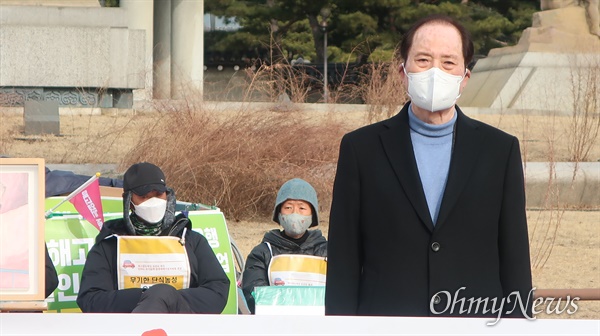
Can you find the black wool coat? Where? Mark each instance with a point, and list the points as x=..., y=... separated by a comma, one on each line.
x=385, y=255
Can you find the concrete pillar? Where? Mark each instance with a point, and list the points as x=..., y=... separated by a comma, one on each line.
x=187, y=47
x=140, y=15
x=162, y=50
x=41, y=117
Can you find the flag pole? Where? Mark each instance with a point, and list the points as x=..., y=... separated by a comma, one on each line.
x=72, y=194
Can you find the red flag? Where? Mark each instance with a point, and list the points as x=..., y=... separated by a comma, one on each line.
x=89, y=204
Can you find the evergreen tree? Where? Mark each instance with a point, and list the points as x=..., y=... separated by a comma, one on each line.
x=281, y=30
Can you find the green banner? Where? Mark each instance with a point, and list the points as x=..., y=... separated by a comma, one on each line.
x=69, y=238
x=289, y=296
x=211, y=224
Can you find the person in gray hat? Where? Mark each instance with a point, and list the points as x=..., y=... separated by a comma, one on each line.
x=192, y=281
x=296, y=210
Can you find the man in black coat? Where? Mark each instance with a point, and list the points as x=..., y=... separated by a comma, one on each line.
x=428, y=214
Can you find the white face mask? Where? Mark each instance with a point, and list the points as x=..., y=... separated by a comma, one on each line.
x=434, y=89
x=151, y=210
x=295, y=224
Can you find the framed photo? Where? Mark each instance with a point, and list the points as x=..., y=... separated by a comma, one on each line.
x=22, y=251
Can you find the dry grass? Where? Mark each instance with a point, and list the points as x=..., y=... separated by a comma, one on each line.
x=107, y=138
x=380, y=89
x=83, y=138
x=238, y=162
x=278, y=82
x=575, y=260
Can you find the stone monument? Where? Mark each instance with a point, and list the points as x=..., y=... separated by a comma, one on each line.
x=41, y=117
x=555, y=66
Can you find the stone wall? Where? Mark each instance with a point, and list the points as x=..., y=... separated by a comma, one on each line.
x=69, y=49
x=43, y=56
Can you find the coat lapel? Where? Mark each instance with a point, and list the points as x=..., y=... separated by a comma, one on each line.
x=399, y=150
x=467, y=146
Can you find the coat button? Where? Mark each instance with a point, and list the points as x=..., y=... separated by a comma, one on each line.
x=437, y=299
x=435, y=246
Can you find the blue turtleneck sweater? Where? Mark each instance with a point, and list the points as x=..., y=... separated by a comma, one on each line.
x=432, y=145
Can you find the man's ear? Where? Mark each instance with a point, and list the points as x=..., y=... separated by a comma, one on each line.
x=402, y=72
x=465, y=80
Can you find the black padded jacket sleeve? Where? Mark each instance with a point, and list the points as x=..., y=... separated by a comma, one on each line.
x=51, y=276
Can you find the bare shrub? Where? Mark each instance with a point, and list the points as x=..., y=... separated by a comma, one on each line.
x=348, y=87
x=278, y=82
x=582, y=134
x=381, y=88
x=546, y=223
x=239, y=161
x=585, y=122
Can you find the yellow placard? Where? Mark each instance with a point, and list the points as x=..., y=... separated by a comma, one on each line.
x=150, y=245
x=297, y=270
x=299, y=263
x=146, y=261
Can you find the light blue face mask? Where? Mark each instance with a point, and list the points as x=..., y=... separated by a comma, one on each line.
x=295, y=224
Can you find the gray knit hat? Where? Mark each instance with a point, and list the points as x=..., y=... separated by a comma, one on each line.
x=297, y=189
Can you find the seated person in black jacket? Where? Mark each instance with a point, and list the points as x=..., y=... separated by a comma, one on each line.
x=114, y=281
x=296, y=209
x=51, y=277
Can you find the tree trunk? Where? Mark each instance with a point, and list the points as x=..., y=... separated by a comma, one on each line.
x=318, y=35
x=275, y=48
